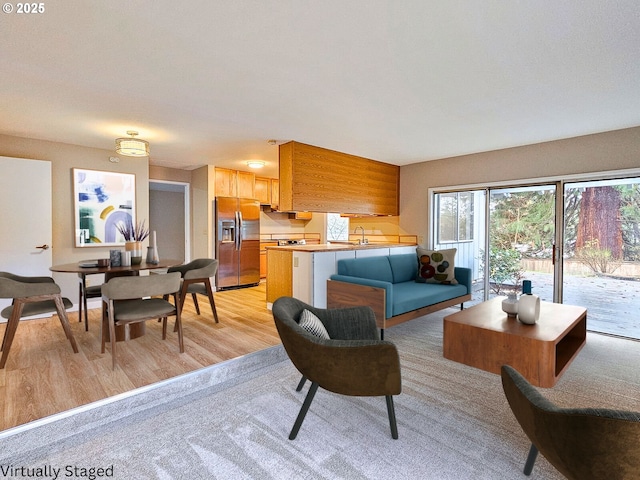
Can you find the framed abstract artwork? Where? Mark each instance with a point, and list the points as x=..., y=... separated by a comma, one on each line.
x=102, y=200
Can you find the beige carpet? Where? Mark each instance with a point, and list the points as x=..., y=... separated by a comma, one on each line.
x=453, y=422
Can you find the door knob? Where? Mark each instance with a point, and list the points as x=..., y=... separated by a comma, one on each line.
x=43, y=247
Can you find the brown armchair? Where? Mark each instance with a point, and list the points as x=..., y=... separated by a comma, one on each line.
x=353, y=361
x=581, y=443
x=31, y=296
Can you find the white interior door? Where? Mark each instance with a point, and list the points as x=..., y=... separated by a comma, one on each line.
x=25, y=218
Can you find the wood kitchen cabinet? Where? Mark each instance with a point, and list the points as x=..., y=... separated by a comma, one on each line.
x=316, y=179
x=275, y=194
x=235, y=183
x=263, y=190
x=263, y=257
x=301, y=215
x=226, y=183
x=268, y=192
x=279, y=274
x=246, y=184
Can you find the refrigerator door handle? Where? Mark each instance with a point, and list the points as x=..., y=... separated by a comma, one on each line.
x=239, y=230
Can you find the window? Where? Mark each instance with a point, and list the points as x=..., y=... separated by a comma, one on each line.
x=337, y=227
x=455, y=217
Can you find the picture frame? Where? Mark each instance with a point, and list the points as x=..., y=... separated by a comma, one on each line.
x=102, y=200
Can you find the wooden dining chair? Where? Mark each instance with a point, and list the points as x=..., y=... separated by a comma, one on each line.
x=31, y=296
x=127, y=300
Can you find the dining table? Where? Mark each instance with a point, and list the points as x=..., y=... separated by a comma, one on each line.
x=84, y=268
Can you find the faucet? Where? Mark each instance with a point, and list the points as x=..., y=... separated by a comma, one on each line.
x=364, y=240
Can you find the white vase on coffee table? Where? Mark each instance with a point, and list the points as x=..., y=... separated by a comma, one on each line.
x=529, y=309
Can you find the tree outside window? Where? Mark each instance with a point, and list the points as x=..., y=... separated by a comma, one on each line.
x=337, y=227
x=455, y=211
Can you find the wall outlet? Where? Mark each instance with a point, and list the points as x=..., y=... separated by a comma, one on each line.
x=420, y=239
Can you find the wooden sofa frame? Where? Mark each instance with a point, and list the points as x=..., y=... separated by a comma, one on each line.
x=346, y=294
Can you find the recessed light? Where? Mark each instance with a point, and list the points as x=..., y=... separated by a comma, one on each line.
x=255, y=163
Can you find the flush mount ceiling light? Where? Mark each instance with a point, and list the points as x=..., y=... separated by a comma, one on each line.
x=132, y=147
x=255, y=163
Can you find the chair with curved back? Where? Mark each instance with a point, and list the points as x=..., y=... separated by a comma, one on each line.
x=94, y=291
x=593, y=443
x=351, y=361
x=127, y=300
x=196, y=279
x=31, y=296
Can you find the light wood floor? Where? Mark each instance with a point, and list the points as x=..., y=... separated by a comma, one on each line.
x=43, y=376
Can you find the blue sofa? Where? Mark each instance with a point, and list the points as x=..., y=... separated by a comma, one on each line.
x=388, y=285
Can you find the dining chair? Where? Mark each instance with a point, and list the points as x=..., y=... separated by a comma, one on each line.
x=127, y=300
x=196, y=280
x=31, y=296
x=94, y=291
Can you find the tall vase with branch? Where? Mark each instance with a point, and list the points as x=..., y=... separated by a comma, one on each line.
x=133, y=237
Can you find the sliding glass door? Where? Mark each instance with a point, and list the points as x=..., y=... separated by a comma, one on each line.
x=601, y=257
x=521, y=240
x=578, y=243
x=504, y=235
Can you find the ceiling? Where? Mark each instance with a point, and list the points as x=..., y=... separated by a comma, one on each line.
x=210, y=82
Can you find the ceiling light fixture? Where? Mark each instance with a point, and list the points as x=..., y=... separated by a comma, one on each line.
x=255, y=163
x=132, y=147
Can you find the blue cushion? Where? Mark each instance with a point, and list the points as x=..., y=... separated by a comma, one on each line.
x=376, y=268
x=404, y=267
x=409, y=296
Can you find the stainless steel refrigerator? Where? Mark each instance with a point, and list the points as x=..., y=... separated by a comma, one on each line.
x=237, y=242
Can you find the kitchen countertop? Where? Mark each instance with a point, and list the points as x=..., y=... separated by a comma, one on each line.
x=334, y=247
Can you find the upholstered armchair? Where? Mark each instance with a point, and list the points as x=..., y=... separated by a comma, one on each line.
x=351, y=361
x=593, y=443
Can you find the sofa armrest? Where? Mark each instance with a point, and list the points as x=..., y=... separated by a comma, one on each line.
x=347, y=294
x=388, y=286
x=368, y=282
x=463, y=276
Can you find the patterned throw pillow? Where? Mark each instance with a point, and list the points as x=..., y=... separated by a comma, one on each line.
x=436, y=266
x=313, y=325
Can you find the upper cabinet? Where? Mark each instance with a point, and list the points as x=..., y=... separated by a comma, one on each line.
x=246, y=184
x=275, y=194
x=226, y=182
x=234, y=183
x=268, y=191
x=315, y=179
x=263, y=190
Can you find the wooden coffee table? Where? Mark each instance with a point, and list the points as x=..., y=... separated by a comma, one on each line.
x=484, y=337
